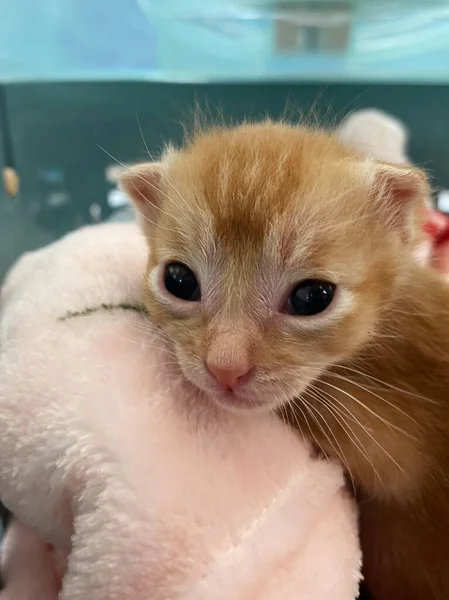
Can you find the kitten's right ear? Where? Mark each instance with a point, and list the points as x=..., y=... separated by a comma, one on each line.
x=142, y=183
x=401, y=194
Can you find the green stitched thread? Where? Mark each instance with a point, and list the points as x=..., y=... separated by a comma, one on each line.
x=108, y=307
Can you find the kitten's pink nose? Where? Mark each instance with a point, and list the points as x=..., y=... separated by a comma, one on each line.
x=229, y=377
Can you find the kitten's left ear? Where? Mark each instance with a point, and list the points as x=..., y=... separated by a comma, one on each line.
x=401, y=193
x=141, y=183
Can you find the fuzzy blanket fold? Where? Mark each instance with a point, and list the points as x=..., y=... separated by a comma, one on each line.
x=124, y=482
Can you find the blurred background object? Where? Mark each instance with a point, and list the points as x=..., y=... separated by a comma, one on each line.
x=223, y=40
x=84, y=82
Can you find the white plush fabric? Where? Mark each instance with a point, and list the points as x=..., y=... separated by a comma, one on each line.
x=376, y=134
x=145, y=488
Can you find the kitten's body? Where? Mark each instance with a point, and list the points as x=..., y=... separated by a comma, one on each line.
x=251, y=212
x=395, y=440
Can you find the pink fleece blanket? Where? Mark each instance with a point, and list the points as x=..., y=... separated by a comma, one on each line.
x=127, y=485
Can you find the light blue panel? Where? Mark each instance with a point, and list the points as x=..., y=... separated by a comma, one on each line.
x=225, y=40
x=54, y=40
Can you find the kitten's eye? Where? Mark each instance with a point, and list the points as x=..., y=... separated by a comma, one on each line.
x=310, y=297
x=181, y=282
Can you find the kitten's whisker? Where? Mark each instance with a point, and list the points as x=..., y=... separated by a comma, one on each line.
x=168, y=363
x=342, y=454
x=360, y=403
x=366, y=389
x=374, y=414
x=350, y=414
x=313, y=412
x=384, y=384
x=292, y=401
x=285, y=423
x=166, y=179
x=286, y=401
x=357, y=444
x=151, y=330
x=309, y=407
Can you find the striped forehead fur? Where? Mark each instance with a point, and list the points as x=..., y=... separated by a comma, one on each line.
x=249, y=178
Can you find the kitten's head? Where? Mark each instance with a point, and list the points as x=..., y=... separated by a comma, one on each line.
x=274, y=253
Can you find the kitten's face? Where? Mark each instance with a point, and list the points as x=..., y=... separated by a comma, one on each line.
x=269, y=262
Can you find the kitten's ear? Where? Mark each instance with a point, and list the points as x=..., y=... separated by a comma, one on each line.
x=402, y=193
x=141, y=183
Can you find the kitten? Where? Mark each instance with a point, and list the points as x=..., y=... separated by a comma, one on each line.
x=282, y=271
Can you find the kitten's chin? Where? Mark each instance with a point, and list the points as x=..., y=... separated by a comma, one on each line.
x=242, y=404
x=244, y=401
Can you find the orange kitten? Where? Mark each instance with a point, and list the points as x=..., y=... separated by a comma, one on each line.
x=281, y=267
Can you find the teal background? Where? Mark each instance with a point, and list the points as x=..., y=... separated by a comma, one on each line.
x=56, y=130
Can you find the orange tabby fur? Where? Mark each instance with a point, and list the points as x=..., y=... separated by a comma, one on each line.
x=253, y=211
x=387, y=408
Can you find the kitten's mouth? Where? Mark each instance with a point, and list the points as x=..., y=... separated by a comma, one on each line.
x=237, y=402
x=246, y=398
x=244, y=401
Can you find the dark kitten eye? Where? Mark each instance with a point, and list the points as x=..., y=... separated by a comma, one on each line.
x=310, y=297
x=181, y=282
